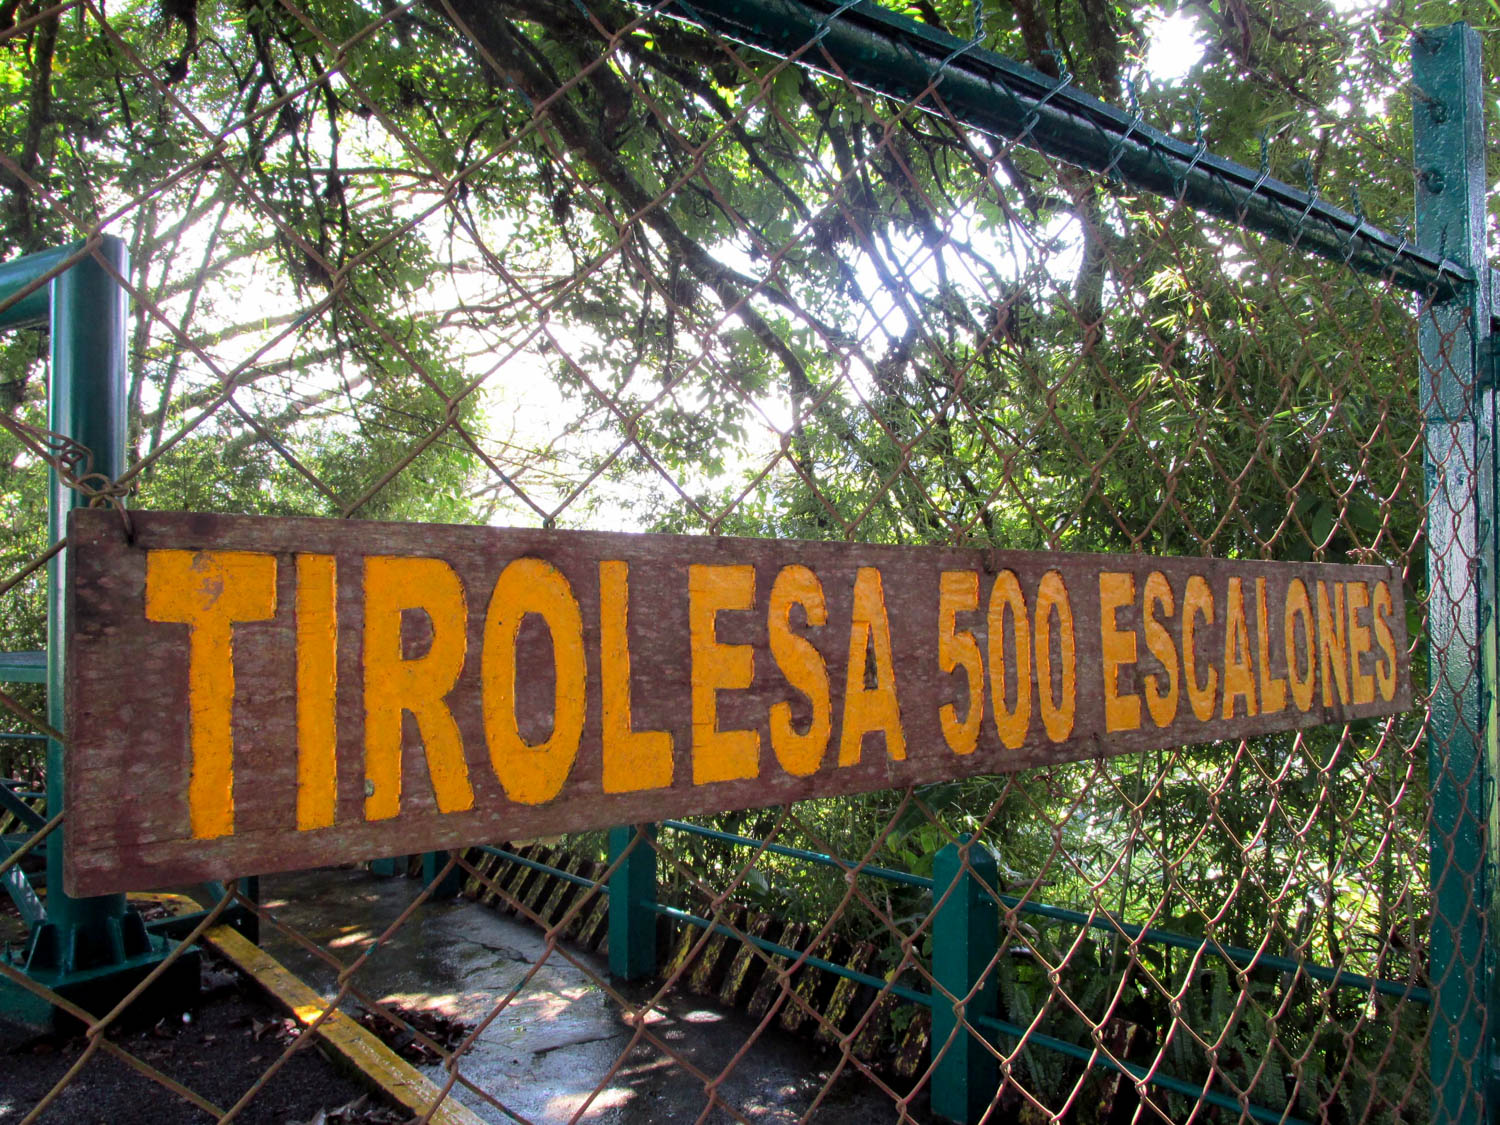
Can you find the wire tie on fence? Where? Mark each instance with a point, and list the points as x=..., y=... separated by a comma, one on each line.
x=1059, y=59
x=72, y=461
x=1117, y=150
x=1359, y=214
x=1260, y=180
x=1064, y=79
x=1309, y=177
x=128, y=523
x=975, y=40
x=825, y=25
x=1402, y=227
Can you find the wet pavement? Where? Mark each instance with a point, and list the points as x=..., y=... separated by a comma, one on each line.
x=560, y=1049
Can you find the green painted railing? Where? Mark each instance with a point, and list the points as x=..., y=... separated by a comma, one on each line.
x=1248, y=959
x=952, y=1085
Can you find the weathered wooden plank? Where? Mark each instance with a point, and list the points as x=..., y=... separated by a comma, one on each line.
x=873, y=1042
x=815, y=985
x=707, y=973
x=779, y=974
x=514, y=880
x=482, y=866
x=529, y=902
x=594, y=925
x=251, y=695
x=562, y=892
x=842, y=1004
x=575, y=913
x=397, y=1079
x=912, y=1055
x=745, y=970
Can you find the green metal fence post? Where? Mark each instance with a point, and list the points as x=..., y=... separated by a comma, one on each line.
x=90, y=950
x=432, y=866
x=1459, y=402
x=632, y=896
x=965, y=940
x=86, y=403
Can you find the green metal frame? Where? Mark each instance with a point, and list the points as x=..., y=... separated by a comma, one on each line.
x=1446, y=264
x=1151, y=935
x=449, y=884
x=901, y=58
x=965, y=946
x=632, y=902
x=640, y=910
x=89, y=950
x=1458, y=397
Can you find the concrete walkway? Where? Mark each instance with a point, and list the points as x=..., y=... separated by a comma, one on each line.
x=560, y=1037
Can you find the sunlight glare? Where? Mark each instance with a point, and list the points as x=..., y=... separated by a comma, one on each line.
x=1173, y=47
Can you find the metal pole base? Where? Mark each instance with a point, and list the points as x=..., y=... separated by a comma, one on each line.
x=98, y=989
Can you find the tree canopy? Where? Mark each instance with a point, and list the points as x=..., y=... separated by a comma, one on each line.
x=562, y=248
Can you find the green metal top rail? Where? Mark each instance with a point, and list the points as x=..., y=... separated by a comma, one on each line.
x=25, y=299
x=900, y=57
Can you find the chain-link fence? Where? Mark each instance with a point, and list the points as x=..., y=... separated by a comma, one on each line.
x=816, y=271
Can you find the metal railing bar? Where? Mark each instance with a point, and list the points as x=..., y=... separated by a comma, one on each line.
x=1247, y=958
x=787, y=951
x=15, y=804
x=537, y=865
x=1047, y=1042
x=1095, y=1057
x=889, y=874
x=901, y=58
x=18, y=274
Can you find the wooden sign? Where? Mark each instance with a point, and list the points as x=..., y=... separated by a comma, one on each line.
x=249, y=695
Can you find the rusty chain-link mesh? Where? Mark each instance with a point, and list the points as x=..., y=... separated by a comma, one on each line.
x=590, y=266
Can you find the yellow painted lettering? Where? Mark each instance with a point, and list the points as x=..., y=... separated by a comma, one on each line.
x=393, y=684
x=1272, y=688
x=1239, y=676
x=719, y=755
x=1198, y=601
x=1157, y=597
x=210, y=592
x=633, y=759
x=1298, y=607
x=1007, y=602
x=534, y=773
x=1122, y=711
x=1385, y=667
x=1361, y=683
x=1333, y=647
x=799, y=752
x=1058, y=709
x=957, y=648
x=317, y=687
x=875, y=708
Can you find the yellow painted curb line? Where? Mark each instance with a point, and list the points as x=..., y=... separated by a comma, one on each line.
x=400, y=1081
